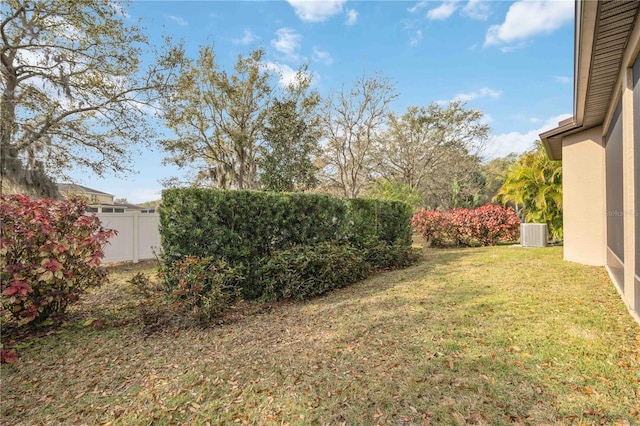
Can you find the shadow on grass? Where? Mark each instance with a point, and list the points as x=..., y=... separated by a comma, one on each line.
x=472, y=343
x=465, y=336
x=428, y=331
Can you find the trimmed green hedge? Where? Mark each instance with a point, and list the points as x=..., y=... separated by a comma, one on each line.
x=246, y=229
x=371, y=221
x=241, y=225
x=307, y=271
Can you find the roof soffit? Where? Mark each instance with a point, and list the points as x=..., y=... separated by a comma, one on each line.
x=612, y=27
x=602, y=32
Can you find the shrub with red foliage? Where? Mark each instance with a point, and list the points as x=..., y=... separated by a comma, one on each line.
x=484, y=226
x=8, y=356
x=50, y=252
x=435, y=226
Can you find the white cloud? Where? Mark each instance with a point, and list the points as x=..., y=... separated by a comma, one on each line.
x=178, y=20
x=31, y=58
x=442, y=12
x=416, y=38
x=416, y=7
x=287, y=41
x=503, y=144
x=316, y=11
x=352, y=17
x=142, y=195
x=563, y=79
x=287, y=75
x=70, y=98
x=476, y=9
x=321, y=56
x=526, y=19
x=246, y=39
x=484, y=92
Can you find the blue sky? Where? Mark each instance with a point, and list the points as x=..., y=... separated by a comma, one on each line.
x=512, y=60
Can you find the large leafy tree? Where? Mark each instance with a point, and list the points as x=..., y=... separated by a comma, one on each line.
x=534, y=185
x=352, y=120
x=73, y=90
x=290, y=138
x=434, y=150
x=384, y=189
x=218, y=119
x=494, y=173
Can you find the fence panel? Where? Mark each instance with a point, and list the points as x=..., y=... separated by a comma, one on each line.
x=138, y=236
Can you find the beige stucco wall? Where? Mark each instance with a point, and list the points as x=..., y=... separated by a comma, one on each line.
x=629, y=191
x=92, y=198
x=584, y=207
x=104, y=199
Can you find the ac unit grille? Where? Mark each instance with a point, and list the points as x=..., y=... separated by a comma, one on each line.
x=533, y=234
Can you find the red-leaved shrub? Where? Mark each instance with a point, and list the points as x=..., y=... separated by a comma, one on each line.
x=50, y=252
x=435, y=226
x=8, y=356
x=484, y=226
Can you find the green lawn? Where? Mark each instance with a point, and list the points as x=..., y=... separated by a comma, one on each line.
x=499, y=335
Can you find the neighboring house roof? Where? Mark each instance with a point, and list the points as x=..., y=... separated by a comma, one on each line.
x=602, y=31
x=126, y=207
x=79, y=189
x=110, y=206
x=130, y=206
x=73, y=188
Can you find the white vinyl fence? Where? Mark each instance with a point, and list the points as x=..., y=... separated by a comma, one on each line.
x=138, y=236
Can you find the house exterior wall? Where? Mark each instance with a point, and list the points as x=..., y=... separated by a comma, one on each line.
x=636, y=125
x=101, y=199
x=601, y=146
x=91, y=197
x=112, y=208
x=584, y=206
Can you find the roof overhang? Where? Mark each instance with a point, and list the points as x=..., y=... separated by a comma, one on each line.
x=552, y=139
x=602, y=30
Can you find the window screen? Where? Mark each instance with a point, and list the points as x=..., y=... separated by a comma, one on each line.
x=615, y=208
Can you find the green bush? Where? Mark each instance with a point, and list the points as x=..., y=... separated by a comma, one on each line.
x=249, y=229
x=385, y=256
x=370, y=221
x=306, y=271
x=203, y=286
x=244, y=228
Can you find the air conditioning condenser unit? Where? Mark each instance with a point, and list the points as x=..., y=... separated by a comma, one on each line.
x=533, y=234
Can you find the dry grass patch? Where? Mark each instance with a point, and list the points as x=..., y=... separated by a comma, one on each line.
x=494, y=336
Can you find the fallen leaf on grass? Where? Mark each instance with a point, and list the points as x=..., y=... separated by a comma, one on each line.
x=476, y=418
x=445, y=400
x=587, y=391
x=8, y=356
